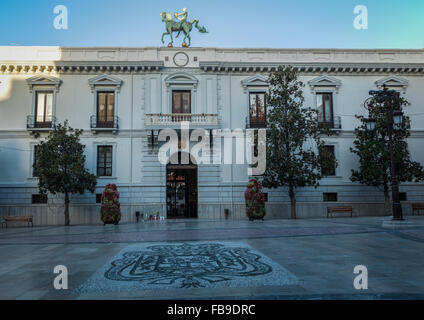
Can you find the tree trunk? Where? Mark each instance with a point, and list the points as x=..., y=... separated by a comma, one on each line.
x=387, y=206
x=292, y=202
x=67, y=222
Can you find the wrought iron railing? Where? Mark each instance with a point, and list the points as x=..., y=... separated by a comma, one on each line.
x=41, y=122
x=104, y=123
x=334, y=124
x=161, y=119
x=253, y=123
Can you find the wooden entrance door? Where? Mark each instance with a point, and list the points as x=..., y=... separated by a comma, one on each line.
x=181, y=191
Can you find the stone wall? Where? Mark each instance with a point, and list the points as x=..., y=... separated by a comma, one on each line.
x=52, y=215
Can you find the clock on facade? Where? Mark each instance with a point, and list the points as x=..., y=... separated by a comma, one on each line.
x=181, y=59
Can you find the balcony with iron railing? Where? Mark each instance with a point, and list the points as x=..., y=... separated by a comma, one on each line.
x=173, y=120
x=41, y=123
x=98, y=124
x=334, y=124
x=255, y=123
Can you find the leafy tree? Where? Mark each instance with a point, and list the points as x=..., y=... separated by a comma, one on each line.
x=295, y=152
x=60, y=165
x=372, y=148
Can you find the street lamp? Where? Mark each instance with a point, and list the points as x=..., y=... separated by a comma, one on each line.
x=397, y=117
x=370, y=123
x=390, y=101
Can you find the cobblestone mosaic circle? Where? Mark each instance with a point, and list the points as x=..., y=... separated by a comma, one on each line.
x=187, y=265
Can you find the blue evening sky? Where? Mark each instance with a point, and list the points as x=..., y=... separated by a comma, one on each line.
x=231, y=23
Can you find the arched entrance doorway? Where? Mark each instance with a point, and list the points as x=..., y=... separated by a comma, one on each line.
x=181, y=189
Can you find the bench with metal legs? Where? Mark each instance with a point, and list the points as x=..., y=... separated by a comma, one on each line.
x=28, y=219
x=339, y=209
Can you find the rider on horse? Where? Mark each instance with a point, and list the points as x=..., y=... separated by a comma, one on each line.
x=182, y=14
x=182, y=25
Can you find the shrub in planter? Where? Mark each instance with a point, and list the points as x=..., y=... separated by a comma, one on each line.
x=111, y=209
x=255, y=200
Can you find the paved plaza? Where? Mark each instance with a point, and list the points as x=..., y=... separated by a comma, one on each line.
x=192, y=259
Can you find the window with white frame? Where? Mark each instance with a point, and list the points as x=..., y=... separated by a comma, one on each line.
x=324, y=89
x=181, y=90
x=257, y=109
x=104, y=160
x=255, y=88
x=105, y=109
x=181, y=101
x=328, y=167
x=44, y=109
x=325, y=108
x=105, y=90
x=44, y=90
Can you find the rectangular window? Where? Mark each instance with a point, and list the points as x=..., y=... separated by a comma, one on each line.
x=329, y=169
x=257, y=110
x=105, y=109
x=98, y=198
x=152, y=140
x=34, y=159
x=329, y=196
x=402, y=196
x=104, y=161
x=325, y=109
x=181, y=102
x=39, y=198
x=44, y=109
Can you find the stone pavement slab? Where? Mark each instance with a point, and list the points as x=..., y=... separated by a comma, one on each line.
x=319, y=255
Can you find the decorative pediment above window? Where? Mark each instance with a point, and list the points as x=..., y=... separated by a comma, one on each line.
x=105, y=80
x=325, y=82
x=255, y=81
x=181, y=78
x=43, y=81
x=393, y=82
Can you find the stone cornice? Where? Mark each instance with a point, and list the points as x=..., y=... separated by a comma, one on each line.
x=325, y=81
x=87, y=60
x=256, y=80
x=393, y=82
x=105, y=80
x=206, y=66
x=314, y=67
x=181, y=78
x=43, y=80
x=80, y=66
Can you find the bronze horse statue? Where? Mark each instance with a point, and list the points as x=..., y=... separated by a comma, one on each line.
x=179, y=26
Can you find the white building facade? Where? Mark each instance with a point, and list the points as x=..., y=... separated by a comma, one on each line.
x=123, y=97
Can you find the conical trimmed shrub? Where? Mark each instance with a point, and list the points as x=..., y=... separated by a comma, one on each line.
x=255, y=200
x=111, y=208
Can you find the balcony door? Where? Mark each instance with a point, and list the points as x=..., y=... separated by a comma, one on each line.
x=105, y=109
x=257, y=110
x=181, y=103
x=44, y=109
x=325, y=109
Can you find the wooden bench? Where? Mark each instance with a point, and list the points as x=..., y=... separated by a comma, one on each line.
x=417, y=207
x=19, y=218
x=339, y=209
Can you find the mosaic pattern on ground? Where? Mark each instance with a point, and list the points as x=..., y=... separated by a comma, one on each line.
x=187, y=265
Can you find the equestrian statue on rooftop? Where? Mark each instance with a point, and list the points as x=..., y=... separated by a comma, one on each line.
x=181, y=24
